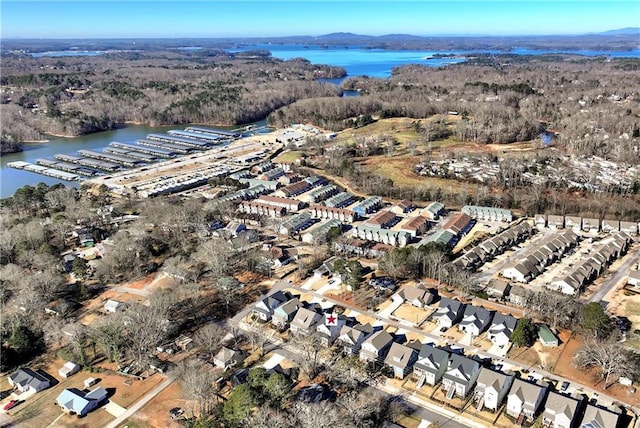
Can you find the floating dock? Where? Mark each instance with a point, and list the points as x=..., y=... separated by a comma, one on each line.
x=154, y=151
x=43, y=170
x=214, y=139
x=168, y=146
x=130, y=154
x=123, y=160
x=91, y=163
x=212, y=131
x=69, y=167
x=187, y=142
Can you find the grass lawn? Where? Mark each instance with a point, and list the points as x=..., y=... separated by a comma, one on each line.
x=288, y=157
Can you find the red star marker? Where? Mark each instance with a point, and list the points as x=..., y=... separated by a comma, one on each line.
x=330, y=320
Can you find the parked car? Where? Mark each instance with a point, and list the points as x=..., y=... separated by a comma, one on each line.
x=11, y=404
x=176, y=412
x=564, y=386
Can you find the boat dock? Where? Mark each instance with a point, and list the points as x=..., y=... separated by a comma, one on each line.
x=154, y=151
x=180, y=141
x=123, y=160
x=211, y=131
x=214, y=139
x=130, y=154
x=91, y=163
x=39, y=169
x=68, y=167
x=163, y=145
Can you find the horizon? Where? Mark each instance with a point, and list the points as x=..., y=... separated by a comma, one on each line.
x=42, y=20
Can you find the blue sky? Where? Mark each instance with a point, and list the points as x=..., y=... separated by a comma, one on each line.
x=100, y=19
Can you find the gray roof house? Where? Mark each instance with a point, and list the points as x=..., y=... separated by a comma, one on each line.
x=417, y=297
x=460, y=376
x=431, y=364
x=475, y=320
x=491, y=388
x=501, y=328
x=26, y=379
x=498, y=289
x=265, y=307
x=329, y=333
x=597, y=417
x=284, y=313
x=401, y=359
x=305, y=321
x=375, y=347
x=560, y=411
x=524, y=400
x=226, y=358
x=351, y=338
x=449, y=312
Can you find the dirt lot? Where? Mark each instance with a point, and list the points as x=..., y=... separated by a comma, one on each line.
x=412, y=314
x=156, y=413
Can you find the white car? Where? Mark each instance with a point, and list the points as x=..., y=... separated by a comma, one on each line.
x=334, y=281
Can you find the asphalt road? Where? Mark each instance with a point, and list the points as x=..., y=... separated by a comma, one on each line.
x=616, y=277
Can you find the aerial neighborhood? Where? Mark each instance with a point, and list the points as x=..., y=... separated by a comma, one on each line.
x=455, y=245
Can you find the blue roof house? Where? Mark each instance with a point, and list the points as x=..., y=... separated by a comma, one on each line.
x=74, y=401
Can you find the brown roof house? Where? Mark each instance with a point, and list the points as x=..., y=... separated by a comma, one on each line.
x=375, y=348
x=417, y=297
x=491, y=388
x=560, y=411
x=226, y=358
x=305, y=321
x=351, y=338
x=524, y=400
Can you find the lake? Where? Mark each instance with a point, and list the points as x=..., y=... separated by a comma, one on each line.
x=360, y=61
x=356, y=60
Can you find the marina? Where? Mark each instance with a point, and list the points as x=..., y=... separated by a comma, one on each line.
x=154, y=148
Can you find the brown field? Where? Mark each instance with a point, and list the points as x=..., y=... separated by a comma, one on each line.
x=411, y=313
x=156, y=413
x=40, y=410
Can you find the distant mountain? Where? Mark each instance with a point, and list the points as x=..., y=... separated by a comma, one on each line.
x=622, y=31
x=343, y=36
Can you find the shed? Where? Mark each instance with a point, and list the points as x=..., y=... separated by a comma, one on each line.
x=546, y=336
x=69, y=368
x=112, y=305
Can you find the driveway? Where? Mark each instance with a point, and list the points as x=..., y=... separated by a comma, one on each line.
x=114, y=409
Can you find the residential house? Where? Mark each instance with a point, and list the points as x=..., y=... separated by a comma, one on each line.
x=491, y=388
x=524, y=400
x=560, y=411
x=634, y=278
x=376, y=346
x=319, y=233
x=112, y=306
x=378, y=234
x=68, y=369
x=264, y=308
x=488, y=213
x=498, y=289
x=226, y=358
x=433, y=211
x=546, y=336
x=368, y=206
x=573, y=223
x=431, y=365
x=609, y=226
x=460, y=376
x=383, y=219
x=629, y=227
x=449, y=312
x=340, y=214
x=415, y=226
x=475, y=320
x=458, y=224
x=403, y=207
x=254, y=207
x=339, y=200
x=518, y=295
x=296, y=224
x=540, y=220
x=25, y=379
x=284, y=313
x=417, y=297
x=401, y=359
x=591, y=225
x=288, y=204
x=501, y=328
x=555, y=222
x=440, y=237
x=305, y=321
x=351, y=338
x=329, y=333
x=293, y=189
x=597, y=417
x=523, y=271
x=77, y=402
